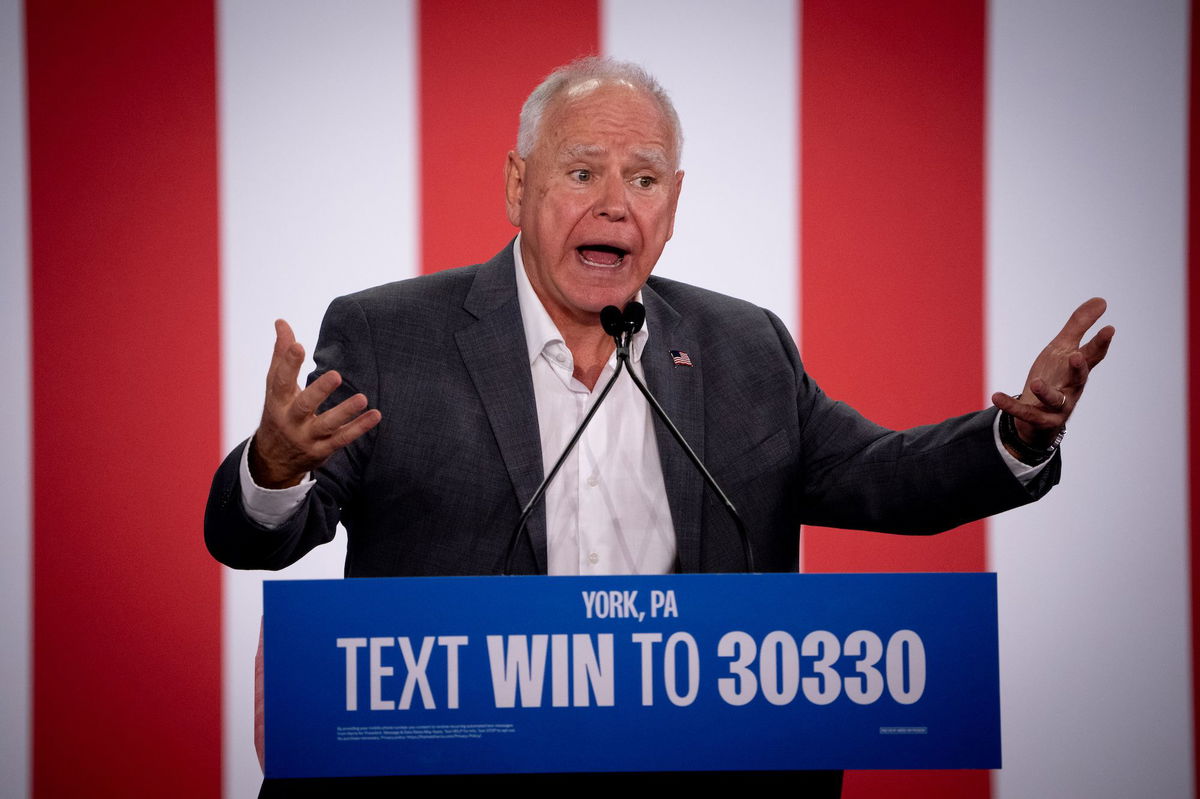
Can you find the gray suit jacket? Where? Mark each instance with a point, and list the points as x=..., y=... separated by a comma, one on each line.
x=437, y=486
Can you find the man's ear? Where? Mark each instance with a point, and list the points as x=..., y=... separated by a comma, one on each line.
x=514, y=186
x=675, y=202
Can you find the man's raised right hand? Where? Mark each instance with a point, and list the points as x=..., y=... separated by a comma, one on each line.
x=293, y=439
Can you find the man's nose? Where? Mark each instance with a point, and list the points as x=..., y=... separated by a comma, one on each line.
x=611, y=200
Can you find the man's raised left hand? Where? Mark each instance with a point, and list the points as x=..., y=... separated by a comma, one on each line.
x=1057, y=377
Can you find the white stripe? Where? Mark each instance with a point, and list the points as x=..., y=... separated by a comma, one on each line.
x=318, y=187
x=15, y=543
x=733, y=78
x=1086, y=192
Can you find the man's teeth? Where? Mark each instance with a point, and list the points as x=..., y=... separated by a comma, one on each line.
x=601, y=256
x=591, y=262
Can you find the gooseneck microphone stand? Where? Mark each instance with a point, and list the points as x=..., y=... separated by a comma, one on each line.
x=622, y=327
x=515, y=538
x=634, y=317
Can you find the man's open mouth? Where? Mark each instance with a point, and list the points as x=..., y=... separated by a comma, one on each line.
x=601, y=254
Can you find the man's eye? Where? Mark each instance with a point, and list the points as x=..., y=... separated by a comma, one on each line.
x=582, y=175
x=644, y=181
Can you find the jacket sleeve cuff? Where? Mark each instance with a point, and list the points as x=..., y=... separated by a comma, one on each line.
x=1022, y=471
x=270, y=507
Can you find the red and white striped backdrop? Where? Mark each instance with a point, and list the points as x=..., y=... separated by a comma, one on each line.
x=924, y=189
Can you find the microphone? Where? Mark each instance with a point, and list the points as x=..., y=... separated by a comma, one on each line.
x=612, y=320
x=622, y=325
x=634, y=317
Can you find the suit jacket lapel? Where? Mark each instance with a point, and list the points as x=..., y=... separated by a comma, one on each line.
x=679, y=390
x=493, y=350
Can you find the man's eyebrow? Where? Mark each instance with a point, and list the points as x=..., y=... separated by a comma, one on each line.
x=654, y=156
x=584, y=151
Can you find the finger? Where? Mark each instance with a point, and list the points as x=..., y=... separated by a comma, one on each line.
x=282, y=381
x=1095, y=350
x=1054, y=399
x=343, y=413
x=347, y=433
x=1079, y=370
x=286, y=360
x=1026, y=412
x=307, y=401
x=284, y=337
x=1002, y=401
x=1081, y=320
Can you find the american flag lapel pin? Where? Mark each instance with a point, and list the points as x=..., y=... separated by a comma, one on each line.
x=680, y=358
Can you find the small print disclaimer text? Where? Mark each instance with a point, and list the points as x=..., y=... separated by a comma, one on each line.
x=421, y=732
x=903, y=730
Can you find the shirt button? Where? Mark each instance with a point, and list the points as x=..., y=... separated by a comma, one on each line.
x=593, y=558
x=592, y=481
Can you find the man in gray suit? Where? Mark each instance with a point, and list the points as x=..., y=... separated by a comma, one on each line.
x=431, y=417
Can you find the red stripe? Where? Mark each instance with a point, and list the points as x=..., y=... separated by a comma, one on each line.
x=123, y=239
x=1194, y=372
x=892, y=252
x=479, y=61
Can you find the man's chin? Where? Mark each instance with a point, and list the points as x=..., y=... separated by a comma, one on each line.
x=601, y=297
x=586, y=302
x=596, y=305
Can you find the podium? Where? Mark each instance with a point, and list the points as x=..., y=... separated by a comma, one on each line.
x=676, y=673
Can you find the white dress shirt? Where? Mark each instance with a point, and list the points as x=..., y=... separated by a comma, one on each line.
x=606, y=510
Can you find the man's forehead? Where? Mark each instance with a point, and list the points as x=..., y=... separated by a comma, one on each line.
x=657, y=156
x=575, y=113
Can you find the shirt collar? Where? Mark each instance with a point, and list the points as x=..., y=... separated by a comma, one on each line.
x=540, y=330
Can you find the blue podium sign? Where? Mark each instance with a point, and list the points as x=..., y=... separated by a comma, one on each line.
x=479, y=675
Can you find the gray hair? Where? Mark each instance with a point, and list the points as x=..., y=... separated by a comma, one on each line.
x=597, y=69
